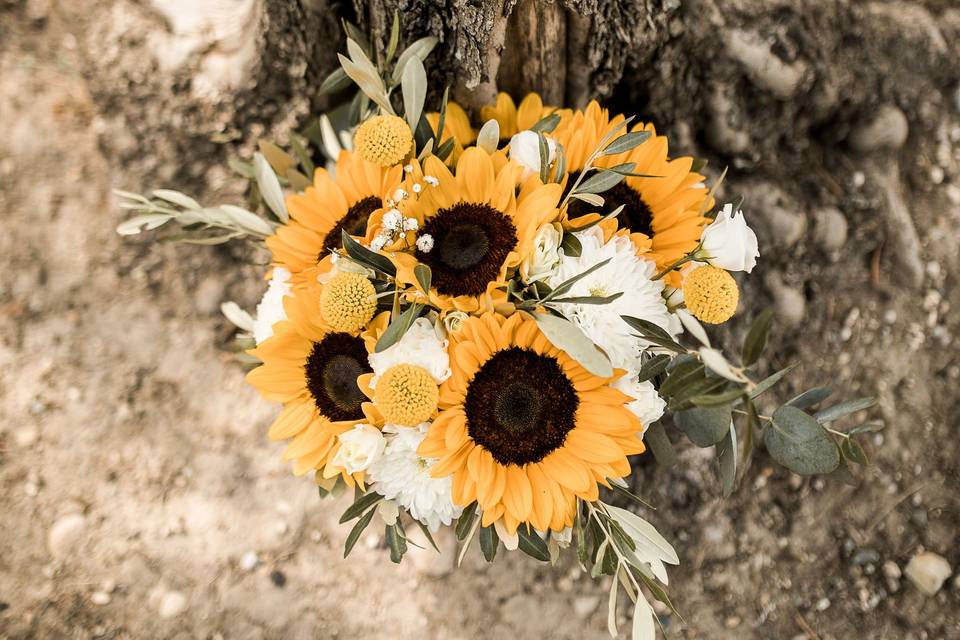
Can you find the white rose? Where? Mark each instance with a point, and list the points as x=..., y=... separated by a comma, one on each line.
x=270, y=310
x=729, y=243
x=359, y=448
x=546, y=253
x=525, y=151
x=453, y=321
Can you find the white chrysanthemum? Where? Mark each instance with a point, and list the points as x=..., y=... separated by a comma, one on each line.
x=647, y=405
x=402, y=475
x=270, y=310
x=419, y=346
x=625, y=273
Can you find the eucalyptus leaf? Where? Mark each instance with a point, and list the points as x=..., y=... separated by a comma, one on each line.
x=797, y=441
x=705, y=426
x=726, y=396
x=269, y=187
x=566, y=336
x=852, y=450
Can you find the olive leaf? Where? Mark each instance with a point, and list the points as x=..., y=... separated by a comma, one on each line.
x=355, y=532
x=564, y=335
x=489, y=541
x=489, y=136
x=420, y=49
x=626, y=142
x=756, y=340
x=600, y=182
x=727, y=461
x=414, y=89
x=269, y=187
x=532, y=544
x=844, y=409
x=398, y=327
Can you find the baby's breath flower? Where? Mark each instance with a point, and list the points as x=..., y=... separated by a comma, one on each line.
x=411, y=224
x=431, y=180
x=425, y=243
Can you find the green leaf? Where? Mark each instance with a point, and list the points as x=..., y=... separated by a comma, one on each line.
x=442, y=120
x=852, y=450
x=653, y=367
x=587, y=299
x=465, y=521
x=590, y=198
x=810, y=397
x=660, y=445
x=414, y=89
x=765, y=384
x=489, y=541
x=532, y=544
x=756, y=340
x=424, y=276
x=699, y=164
x=396, y=542
x=362, y=503
x=355, y=532
x=866, y=427
x=571, y=245
x=544, y=150
x=600, y=182
x=626, y=142
x=365, y=256
x=727, y=462
x=546, y=124
x=366, y=76
x=302, y=155
x=705, y=426
x=717, y=399
x=844, y=409
x=394, y=37
x=398, y=327
x=420, y=49
x=428, y=535
x=797, y=441
x=489, y=136
x=242, y=168
x=177, y=198
x=681, y=375
x=843, y=474
x=643, y=624
x=565, y=335
x=567, y=284
x=445, y=149
x=581, y=536
x=269, y=187
x=561, y=165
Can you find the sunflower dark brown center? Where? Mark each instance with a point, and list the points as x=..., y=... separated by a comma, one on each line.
x=520, y=406
x=354, y=222
x=332, y=370
x=470, y=243
x=636, y=214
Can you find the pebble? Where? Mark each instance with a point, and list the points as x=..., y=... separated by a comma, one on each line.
x=866, y=556
x=278, y=578
x=249, y=561
x=953, y=193
x=785, y=227
x=172, y=604
x=928, y=571
x=66, y=534
x=823, y=604
x=584, y=606
x=886, y=129
x=26, y=436
x=891, y=570
x=790, y=305
x=830, y=229
x=100, y=598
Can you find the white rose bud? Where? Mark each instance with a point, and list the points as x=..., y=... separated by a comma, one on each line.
x=729, y=243
x=453, y=321
x=359, y=448
x=540, y=262
x=525, y=151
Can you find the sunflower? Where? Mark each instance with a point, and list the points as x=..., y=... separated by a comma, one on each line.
x=663, y=213
x=346, y=201
x=513, y=119
x=313, y=372
x=480, y=227
x=523, y=428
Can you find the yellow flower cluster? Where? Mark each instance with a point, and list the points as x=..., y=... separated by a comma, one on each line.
x=406, y=394
x=383, y=140
x=711, y=294
x=348, y=302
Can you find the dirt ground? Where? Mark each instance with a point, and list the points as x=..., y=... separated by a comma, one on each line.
x=139, y=496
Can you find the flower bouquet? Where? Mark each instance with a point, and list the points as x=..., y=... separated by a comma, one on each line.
x=477, y=328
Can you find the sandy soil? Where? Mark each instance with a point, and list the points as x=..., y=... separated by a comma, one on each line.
x=137, y=485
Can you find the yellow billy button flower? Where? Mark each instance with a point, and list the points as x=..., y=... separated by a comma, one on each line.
x=383, y=140
x=348, y=302
x=406, y=394
x=711, y=294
